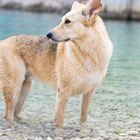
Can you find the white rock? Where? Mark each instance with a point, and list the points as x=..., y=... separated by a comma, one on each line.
x=38, y=138
x=49, y=138
x=118, y=8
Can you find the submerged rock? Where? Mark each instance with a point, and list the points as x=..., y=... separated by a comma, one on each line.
x=126, y=9
x=49, y=138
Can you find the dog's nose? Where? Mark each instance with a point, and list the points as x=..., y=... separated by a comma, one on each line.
x=49, y=35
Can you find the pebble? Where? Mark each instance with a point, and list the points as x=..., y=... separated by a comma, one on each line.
x=98, y=127
x=75, y=138
x=58, y=138
x=38, y=138
x=133, y=133
x=49, y=138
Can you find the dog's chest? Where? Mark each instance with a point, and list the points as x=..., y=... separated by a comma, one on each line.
x=81, y=73
x=84, y=82
x=89, y=79
x=78, y=72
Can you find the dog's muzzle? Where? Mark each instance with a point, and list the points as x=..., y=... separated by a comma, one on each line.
x=50, y=36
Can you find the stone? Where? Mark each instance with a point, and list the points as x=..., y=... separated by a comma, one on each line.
x=49, y=138
x=126, y=9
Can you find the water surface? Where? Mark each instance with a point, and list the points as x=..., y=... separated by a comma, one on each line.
x=116, y=106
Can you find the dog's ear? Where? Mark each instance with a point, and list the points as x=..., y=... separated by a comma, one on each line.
x=93, y=7
x=76, y=5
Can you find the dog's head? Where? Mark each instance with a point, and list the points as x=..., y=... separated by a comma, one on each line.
x=76, y=23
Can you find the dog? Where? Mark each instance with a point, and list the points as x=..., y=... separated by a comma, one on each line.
x=75, y=65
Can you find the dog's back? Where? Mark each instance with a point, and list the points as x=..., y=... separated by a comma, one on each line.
x=36, y=53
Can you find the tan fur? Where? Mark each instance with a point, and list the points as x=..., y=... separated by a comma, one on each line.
x=75, y=67
x=21, y=58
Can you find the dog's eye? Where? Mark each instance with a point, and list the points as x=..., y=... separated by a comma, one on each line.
x=67, y=21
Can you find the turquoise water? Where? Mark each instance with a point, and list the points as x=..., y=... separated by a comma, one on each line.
x=125, y=65
x=120, y=89
x=25, y=23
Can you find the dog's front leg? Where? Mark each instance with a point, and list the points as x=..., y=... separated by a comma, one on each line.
x=61, y=101
x=86, y=100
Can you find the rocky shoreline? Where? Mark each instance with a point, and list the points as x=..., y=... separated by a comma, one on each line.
x=126, y=9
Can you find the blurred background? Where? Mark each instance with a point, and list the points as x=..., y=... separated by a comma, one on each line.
x=119, y=9
x=115, y=109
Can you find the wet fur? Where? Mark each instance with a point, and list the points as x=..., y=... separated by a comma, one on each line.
x=76, y=67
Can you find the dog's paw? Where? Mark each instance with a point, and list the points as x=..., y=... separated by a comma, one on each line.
x=20, y=119
x=58, y=131
x=9, y=123
x=83, y=125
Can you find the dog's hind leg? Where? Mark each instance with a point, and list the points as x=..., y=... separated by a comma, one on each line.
x=11, y=95
x=13, y=79
x=86, y=99
x=23, y=94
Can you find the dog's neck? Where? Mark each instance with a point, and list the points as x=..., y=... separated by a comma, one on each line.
x=86, y=44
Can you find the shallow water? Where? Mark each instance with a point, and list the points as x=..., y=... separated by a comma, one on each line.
x=116, y=106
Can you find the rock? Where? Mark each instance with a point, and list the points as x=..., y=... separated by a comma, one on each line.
x=37, y=5
x=126, y=9
x=99, y=138
x=58, y=138
x=75, y=138
x=49, y=138
x=38, y=138
x=133, y=133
